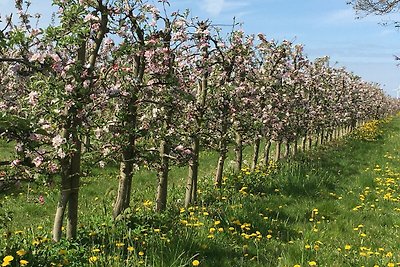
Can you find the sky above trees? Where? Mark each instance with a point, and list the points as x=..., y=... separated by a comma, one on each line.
x=326, y=27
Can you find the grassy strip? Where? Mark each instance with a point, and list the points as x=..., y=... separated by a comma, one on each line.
x=335, y=207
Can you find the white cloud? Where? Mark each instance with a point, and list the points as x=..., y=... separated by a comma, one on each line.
x=216, y=7
x=341, y=16
x=213, y=7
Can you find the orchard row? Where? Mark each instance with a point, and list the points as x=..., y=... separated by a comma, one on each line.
x=129, y=81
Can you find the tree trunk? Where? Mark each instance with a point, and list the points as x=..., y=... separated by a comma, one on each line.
x=295, y=146
x=220, y=168
x=238, y=152
x=304, y=143
x=278, y=150
x=267, y=150
x=70, y=176
x=287, y=151
x=61, y=208
x=162, y=187
x=191, y=183
x=125, y=181
x=72, y=219
x=256, y=151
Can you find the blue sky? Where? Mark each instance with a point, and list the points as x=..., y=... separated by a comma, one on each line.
x=325, y=27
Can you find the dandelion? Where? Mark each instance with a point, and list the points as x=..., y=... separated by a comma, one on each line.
x=23, y=262
x=347, y=247
x=312, y=263
x=7, y=260
x=195, y=263
x=93, y=259
x=130, y=248
x=297, y=265
x=119, y=244
x=141, y=253
x=21, y=252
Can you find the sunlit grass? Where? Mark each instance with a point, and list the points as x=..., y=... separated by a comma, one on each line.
x=336, y=206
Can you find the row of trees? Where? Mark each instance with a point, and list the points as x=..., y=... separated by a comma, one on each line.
x=129, y=81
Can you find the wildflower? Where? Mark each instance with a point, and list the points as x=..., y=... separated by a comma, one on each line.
x=195, y=263
x=119, y=244
x=312, y=263
x=93, y=259
x=7, y=260
x=141, y=253
x=96, y=250
x=347, y=247
x=296, y=265
x=23, y=262
x=130, y=248
x=21, y=252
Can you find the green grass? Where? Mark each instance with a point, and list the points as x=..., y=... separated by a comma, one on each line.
x=336, y=206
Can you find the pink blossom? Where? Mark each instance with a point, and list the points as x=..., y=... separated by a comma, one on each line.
x=33, y=98
x=58, y=140
x=69, y=88
x=15, y=162
x=41, y=200
x=40, y=57
x=91, y=17
x=37, y=161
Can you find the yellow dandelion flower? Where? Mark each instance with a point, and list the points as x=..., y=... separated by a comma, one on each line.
x=390, y=264
x=312, y=263
x=119, y=244
x=297, y=265
x=23, y=262
x=141, y=253
x=269, y=236
x=130, y=248
x=96, y=250
x=347, y=247
x=8, y=258
x=21, y=252
x=217, y=222
x=93, y=259
x=195, y=263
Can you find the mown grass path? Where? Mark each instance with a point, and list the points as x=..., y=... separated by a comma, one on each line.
x=338, y=206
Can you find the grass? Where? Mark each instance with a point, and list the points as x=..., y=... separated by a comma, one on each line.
x=336, y=206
